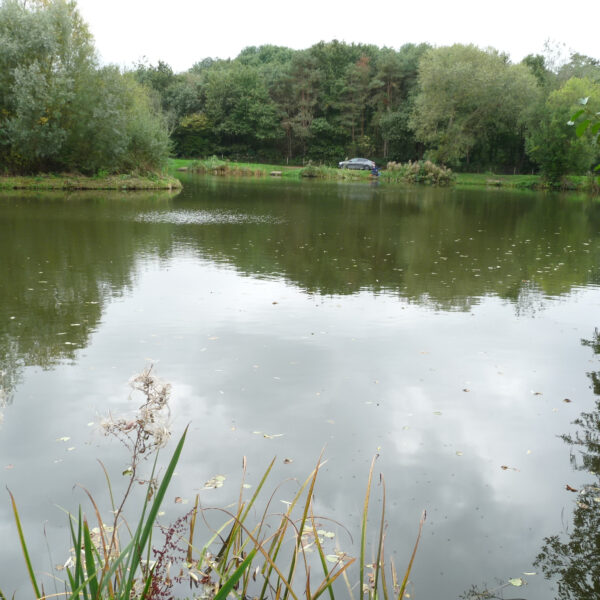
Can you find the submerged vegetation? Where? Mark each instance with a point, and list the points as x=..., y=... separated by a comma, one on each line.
x=280, y=556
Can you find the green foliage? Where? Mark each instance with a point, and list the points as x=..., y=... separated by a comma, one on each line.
x=552, y=142
x=469, y=99
x=58, y=110
x=422, y=171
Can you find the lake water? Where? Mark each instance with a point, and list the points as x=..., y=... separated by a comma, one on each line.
x=439, y=329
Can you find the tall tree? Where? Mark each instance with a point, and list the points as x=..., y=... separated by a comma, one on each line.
x=468, y=98
x=552, y=143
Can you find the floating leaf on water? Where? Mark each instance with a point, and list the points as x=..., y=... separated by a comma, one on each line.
x=286, y=502
x=570, y=489
x=63, y=439
x=128, y=471
x=466, y=390
x=287, y=461
x=327, y=534
x=332, y=558
x=70, y=449
x=247, y=486
x=275, y=435
x=536, y=393
x=459, y=453
x=517, y=582
x=178, y=500
x=506, y=468
x=215, y=482
x=531, y=573
x=567, y=400
x=437, y=413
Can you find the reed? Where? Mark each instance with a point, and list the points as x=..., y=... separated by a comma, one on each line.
x=279, y=555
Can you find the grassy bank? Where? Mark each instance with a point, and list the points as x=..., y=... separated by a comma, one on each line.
x=81, y=182
x=529, y=182
x=214, y=166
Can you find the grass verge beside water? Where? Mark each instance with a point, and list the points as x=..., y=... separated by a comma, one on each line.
x=81, y=182
x=396, y=175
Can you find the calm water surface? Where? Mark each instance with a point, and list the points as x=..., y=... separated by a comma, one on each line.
x=439, y=329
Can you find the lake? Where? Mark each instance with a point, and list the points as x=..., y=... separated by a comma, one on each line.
x=443, y=330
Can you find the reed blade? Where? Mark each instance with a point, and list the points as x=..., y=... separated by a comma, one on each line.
x=230, y=583
x=24, y=547
x=412, y=558
x=363, y=533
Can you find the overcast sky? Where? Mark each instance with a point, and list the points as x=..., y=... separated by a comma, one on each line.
x=182, y=32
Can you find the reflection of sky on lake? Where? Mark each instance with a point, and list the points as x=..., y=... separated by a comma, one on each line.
x=445, y=397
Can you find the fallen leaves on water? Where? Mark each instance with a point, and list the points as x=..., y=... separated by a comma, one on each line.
x=466, y=390
x=570, y=489
x=63, y=439
x=567, y=400
x=287, y=461
x=268, y=436
x=215, y=482
x=507, y=468
x=517, y=581
x=536, y=393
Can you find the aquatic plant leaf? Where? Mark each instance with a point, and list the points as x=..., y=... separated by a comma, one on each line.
x=517, y=582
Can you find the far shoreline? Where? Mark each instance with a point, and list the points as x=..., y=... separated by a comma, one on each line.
x=67, y=182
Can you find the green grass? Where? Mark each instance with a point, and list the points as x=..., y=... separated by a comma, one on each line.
x=228, y=168
x=531, y=182
x=68, y=181
x=216, y=166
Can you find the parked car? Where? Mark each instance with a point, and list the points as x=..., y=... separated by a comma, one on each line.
x=357, y=163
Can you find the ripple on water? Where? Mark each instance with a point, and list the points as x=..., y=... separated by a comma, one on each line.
x=202, y=217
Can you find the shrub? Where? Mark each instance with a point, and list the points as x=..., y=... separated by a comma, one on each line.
x=422, y=171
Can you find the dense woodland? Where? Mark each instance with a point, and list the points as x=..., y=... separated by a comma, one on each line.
x=461, y=106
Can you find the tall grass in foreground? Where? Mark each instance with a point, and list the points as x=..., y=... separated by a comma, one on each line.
x=279, y=555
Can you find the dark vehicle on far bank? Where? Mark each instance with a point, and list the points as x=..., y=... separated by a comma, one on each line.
x=357, y=163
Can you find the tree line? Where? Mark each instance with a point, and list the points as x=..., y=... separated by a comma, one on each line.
x=461, y=106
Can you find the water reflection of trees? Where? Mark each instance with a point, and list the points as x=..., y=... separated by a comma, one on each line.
x=63, y=257
x=444, y=248
x=61, y=261
x=575, y=561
